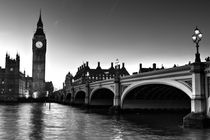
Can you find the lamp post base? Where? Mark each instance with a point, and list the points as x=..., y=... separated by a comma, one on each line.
x=197, y=58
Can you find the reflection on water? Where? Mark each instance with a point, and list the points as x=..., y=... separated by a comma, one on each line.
x=38, y=122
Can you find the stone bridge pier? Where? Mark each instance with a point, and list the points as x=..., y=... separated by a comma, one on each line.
x=199, y=116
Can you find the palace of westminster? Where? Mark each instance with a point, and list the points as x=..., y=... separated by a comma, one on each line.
x=15, y=85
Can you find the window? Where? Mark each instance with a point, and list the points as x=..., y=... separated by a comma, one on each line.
x=2, y=91
x=11, y=69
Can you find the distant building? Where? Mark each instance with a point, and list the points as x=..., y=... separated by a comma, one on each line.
x=29, y=85
x=85, y=73
x=67, y=85
x=49, y=87
x=13, y=83
x=142, y=70
x=68, y=82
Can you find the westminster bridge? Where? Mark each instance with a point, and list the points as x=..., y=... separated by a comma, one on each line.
x=183, y=87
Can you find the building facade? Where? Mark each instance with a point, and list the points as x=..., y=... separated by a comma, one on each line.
x=85, y=73
x=13, y=83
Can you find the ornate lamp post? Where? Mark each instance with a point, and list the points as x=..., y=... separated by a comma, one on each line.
x=196, y=37
x=198, y=117
x=117, y=68
x=87, y=77
x=116, y=106
x=87, y=90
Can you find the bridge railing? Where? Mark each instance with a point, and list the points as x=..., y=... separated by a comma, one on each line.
x=158, y=72
x=93, y=81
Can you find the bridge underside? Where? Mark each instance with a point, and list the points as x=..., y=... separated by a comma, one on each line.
x=156, y=96
x=68, y=97
x=102, y=97
x=61, y=97
x=80, y=98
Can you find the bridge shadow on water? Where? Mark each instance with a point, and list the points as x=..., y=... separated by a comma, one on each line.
x=148, y=122
x=149, y=118
x=155, y=123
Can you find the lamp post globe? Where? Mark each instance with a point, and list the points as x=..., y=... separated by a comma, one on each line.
x=200, y=35
x=197, y=31
x=193, y=38
x=196, y=37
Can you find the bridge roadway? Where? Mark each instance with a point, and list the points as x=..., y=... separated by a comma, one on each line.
x=184, y=87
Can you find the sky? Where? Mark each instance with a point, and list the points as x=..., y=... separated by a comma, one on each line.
x=133, y=31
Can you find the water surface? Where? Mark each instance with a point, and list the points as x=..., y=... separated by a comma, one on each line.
x=37, y=122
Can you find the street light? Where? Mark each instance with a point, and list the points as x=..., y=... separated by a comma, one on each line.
x=117, y=65
x=196, y=37
x=117, y=68
x=87, y=88
x=87, y=76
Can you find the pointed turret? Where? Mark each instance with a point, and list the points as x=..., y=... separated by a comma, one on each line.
x=39, y=23
x=39, y=30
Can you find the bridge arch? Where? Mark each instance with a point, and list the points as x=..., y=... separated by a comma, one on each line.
x=79, y=92
x=95, y=89
x=79, y=97
x=102, y=96
x=171, y=83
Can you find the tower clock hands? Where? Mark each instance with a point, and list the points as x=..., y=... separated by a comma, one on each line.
x=39, y=44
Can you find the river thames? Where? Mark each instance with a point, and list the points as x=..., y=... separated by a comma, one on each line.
x=36, y=121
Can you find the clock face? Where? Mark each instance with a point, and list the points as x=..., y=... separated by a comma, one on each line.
x=39, y=44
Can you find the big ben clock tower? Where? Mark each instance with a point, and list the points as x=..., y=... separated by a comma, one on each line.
x=39, y=45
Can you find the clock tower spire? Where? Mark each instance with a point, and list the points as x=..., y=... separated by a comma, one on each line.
x=40, y=29
x=39, y=23
x=39, y=44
